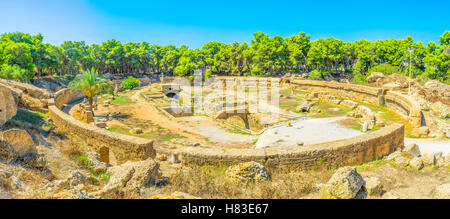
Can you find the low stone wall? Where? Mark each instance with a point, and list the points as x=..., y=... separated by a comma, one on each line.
x=66, y=96
x=119, y=148
x=403, y=103
x=393, y=100
x=349, y=91
x=351, y=151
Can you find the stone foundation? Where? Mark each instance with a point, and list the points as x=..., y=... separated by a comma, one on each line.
x=407, y=107
x=343, y=152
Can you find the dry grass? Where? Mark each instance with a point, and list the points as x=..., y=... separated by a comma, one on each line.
x=69, y=149
x=33, y=181
x=210, y=182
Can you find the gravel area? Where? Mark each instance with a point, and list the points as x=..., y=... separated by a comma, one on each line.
x=309, y=131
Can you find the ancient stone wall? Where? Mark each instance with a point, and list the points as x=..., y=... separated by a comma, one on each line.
x=349, y=91
x=121, y=147
x=66, y=96
x=343, y=152
x=393, y=100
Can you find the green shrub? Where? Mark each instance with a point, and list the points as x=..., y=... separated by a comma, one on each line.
x=256, y=71
x=358, y=78
x=315, y=75
x=130, y=83
x=30, y=117
x=208, y=73
x=15, y=73
x=386, y=69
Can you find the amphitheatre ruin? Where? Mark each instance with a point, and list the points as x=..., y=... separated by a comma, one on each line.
x=283, y=124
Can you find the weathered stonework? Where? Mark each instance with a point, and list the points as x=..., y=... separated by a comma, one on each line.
x=66, y=96
x=393, y=100
x=113, y=147
x=343, y=152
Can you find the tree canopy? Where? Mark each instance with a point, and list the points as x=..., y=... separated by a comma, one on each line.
x=263, y=56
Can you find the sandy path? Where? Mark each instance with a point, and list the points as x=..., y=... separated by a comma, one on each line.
x=309, y=131
x=195, y=128
x=207, y=127
x=146, y=111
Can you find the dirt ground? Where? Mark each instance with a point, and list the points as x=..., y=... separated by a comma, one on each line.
x=195, y=129
x=408, y=183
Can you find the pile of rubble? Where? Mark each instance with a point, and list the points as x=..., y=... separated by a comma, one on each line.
x=411, y=156
x=28, y=96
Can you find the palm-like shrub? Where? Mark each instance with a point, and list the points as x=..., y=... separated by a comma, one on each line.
x=89, y=84
x=130, y=83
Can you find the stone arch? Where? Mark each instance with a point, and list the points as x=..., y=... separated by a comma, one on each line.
x=104, y=154
x=171, y=95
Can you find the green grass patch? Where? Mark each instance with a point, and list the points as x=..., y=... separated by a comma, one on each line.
x=169, y=137
x=83, y=161
x=214, y=170
x=328, y=110
x=119, y=129
x=35, y=118
x=371, y=165
x=323, y=115
x=237, y=131
x=122, y=100
x=252, y=91
x=417, y=137
x=287, y=105
x=390, y=116
x=299, y=99
x=356, y=126
x=208, y=141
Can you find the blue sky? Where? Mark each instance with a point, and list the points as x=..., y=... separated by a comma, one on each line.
x=197, y=22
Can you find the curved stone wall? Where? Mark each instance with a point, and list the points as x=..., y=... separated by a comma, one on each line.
x=122, y=147
x=343, y=152
x=64, y=96
x=393, y=100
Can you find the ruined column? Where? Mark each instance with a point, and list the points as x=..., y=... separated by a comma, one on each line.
x=89, y=116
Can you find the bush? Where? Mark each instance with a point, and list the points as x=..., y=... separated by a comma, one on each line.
x=208, y=73
x=358, y=78
x=256, y=71
x=16, y=73
x=315, y=75
x=130, y=83
x=386, y=69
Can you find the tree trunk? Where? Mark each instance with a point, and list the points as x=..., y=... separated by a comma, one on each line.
x=91, y=103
